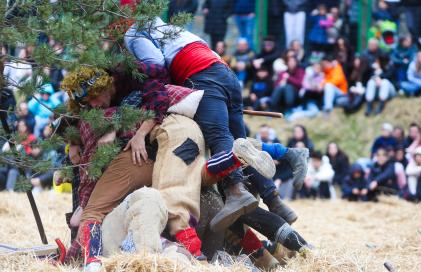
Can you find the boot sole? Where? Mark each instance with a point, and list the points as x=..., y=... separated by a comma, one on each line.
x=259, y=160
x=224, y=223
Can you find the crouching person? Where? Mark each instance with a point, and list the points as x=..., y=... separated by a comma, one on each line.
x=355, y=186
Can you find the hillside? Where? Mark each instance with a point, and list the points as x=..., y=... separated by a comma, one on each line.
x=354, y=133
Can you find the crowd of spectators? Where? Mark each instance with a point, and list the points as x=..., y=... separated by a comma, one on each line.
x=306, y=65
x=311, y=65
x=394, y=167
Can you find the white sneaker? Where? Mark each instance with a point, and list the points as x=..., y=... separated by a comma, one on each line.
x=93, y=267
x=249, y=155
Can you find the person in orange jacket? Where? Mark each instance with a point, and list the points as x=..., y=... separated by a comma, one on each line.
x=335, y=85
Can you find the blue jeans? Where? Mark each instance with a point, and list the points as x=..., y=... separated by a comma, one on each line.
x=220, y=112
x=245, y=24
x=333, y=95
x=286, y=95
x=410, y=88
x=264, y=186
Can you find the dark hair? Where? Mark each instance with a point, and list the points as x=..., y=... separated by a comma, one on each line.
x=304, y=131
x=316, y=155
x=329, y=57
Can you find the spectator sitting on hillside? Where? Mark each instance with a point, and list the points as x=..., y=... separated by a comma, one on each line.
x=221, y=50
x=359, y=76
x=24, y=114
x=343, y=53
x=412, y=86
x=399, y=169
x=414, y=138
x=399, y=155
x=268, y=54
x=298, y=49
x=383, y=13
x=373, y=51
x=318, y=181
x=380, y=85
x=385, y=140
x=41, y=108
x=339, y=161
x=355, y=186
x=300, y=135
x=413, y=170
x=241, y=63
x=399, y=135
x=17, y=72
x=287, y=86
x=260, y=91
x=382, y=176
x=311, y=94
x=335, y=85
x=402, y=55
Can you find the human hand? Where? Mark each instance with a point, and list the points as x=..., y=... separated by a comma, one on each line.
x=74, y=154
x=364, y=192
x=253, y=97
x=107, y=138
x=137, y=144
x=205, y=11
x=355, y=191
x=373, y=185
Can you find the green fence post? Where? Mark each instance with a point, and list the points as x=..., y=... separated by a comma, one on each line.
x=364, y=22
x=261, y=22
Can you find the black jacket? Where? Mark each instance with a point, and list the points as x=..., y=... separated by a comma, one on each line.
x=216, y=19
x=384, y=175
x=178, y=6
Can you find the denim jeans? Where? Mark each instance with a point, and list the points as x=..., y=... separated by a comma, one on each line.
x=245, y=24
x=286, y=94
x=220, y=112
x=264, y=186
x=385, y=91
x=410, y=88
x=333, y=95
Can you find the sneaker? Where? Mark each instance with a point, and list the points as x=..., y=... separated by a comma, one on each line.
x=238, y=201
x=249, y=155
x=256, y=143
x=298, y=160
x=93, y=267
x=279, y=208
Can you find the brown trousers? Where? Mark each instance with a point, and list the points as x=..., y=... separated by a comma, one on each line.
x=178, y=182
x=120, y=179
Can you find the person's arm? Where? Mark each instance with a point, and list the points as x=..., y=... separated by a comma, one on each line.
x=137, y=143
x=413, y=169
x=297, y=78
x=387, y=174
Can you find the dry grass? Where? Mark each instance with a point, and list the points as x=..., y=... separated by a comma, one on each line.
x=354, y=133
x=347, y=236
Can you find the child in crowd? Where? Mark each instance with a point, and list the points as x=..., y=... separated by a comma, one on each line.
x=386, y=140
x=413, y=170
x=319, y=177
x=382, y=176
x=260, y=91
x=241, y=63
x=355, y=185
x=412, y=86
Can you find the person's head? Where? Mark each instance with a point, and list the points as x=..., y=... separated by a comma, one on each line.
x=398, y=133
x=88, y=86
x=23, y=128
x=373, y=45
x=242, y=45
x=400, y=153
x=268, y=44
x=317, y=67
x=418, y=58
x=300, y=133
x=387, y=130
x=414, y=131
x=296, y=45
x=23, y=109
x=405, y=41
x=299, y=144
x=264, y=132
x=382, y=156
x=46, y=91
x=356, y=171
x=335, y=12
x=262, y=72
x=47, y=131
x=383, y=5
x=417, y=155
x=220, y=48
x=292, y=63
x=321, y=8
x=341, y=43
x=332, y=149
x=328, y=62
x=316, y=159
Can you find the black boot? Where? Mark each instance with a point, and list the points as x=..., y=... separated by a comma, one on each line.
x=369, y=108
x=290, y=239
x=279, y=208
x=380, y=107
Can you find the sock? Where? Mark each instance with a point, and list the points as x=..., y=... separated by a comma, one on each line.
x=289, y=238
x=222, y=164
x=189, y=239
x=91, y=241
x=276, y=151
x=250, y=242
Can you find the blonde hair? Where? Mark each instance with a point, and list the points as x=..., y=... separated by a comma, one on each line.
x=72, y=84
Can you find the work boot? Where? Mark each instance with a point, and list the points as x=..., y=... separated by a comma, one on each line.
x=279, y=252
x=298, y=159
x=249, y=155
x=265, y=261
x=279, y=208
x=238, y=201
x=291, y=239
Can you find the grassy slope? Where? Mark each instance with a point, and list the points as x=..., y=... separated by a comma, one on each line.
x=354, y=133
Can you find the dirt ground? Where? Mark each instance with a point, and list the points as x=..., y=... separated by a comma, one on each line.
x=347, y=236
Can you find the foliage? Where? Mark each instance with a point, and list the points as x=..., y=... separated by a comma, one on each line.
x=101, y=158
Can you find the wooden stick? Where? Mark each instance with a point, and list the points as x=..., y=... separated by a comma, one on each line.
x=264, y=113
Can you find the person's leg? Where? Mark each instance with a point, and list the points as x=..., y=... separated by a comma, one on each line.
x=289, y=28
x=121, y=178
x=12, y=177
x=330, y=93
x=300, y=26
x=290, y=95
x=410, y=88
x=249, y=29
x=177, y=176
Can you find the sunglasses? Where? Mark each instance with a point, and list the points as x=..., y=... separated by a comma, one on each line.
x=84, y=86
